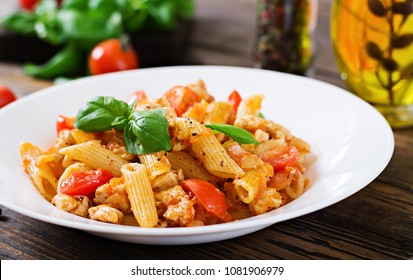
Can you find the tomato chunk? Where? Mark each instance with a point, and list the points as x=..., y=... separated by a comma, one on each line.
x=28, y=5
x=6, y=96
x=234, y=99
x=209, y=196
x=85, y=182
x=281, y=157
x=180, y=98
x=138, y=96
x=64, y=122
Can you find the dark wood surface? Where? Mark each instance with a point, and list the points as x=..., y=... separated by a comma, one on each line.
x=375, y=223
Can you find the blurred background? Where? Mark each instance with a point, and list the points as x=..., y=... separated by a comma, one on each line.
x=214, y=32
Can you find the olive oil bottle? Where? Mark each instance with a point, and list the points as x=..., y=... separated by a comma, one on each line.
x=373, y=45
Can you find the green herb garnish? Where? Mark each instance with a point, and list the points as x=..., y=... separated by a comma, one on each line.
x=144, y=131
x=238, y=134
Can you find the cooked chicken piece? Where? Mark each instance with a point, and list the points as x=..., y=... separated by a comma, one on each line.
x=175, y=206
x=105, y=213
x=269, y=200
x=77, y=205
x=113, y=194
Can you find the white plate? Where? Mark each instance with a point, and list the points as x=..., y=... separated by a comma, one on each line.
x=352, y=142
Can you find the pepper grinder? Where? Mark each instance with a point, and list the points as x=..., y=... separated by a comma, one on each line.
x=284, y=35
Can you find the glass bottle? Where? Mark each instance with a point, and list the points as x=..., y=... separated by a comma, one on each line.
x=284, y=31
x=373, y=44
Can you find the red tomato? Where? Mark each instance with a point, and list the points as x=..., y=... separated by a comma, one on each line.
x=85, y=182
x=138, y=96
x=281, y=157
x=6, y=96
x=209, y=196
x=180, y=98
x=234, y=99
x=64, y=122
x=28, y=5
x=112, y=55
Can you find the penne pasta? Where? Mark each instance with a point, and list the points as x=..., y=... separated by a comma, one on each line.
x=189, y=166
x=156, y=164
x=250, y=106
x=95, y=155
x=208, y=149
x=197, y=112
x=218, y=112
x=129, y=220
x=41, y=175
x=140, y=194
x=254, y=181
x=296, y=188
x=80, y=136
x=165, y=181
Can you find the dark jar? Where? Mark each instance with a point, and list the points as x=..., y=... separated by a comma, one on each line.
x=284, y=31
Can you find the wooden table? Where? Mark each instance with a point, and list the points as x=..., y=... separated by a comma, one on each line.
x=375, y=223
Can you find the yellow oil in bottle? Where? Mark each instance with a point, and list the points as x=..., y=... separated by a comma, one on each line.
x=373, y=45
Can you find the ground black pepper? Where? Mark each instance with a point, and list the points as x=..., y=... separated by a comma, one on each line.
x=283, y=35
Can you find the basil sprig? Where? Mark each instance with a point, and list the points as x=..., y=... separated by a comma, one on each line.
x=144, y=131
x=238, y=134
x=147, y=132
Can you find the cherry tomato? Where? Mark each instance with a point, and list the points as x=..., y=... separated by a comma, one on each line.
x=234, y=99
x=28, y=5
x=64, y=122
x=6, y=96
x=138, y=96
x=112, y=55
x=85, y=182
x=281, y=157
x=180, y=98
x=209, y=196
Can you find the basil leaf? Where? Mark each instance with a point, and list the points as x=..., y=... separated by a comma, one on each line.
x=119, y=123
x=21, y=22
x=147, y=132
x=238, y=134
x=102, y=113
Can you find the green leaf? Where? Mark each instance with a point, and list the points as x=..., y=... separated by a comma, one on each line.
x=377, y=8
x=74, y=4
x=147, y=132
x=164, y=14
x=134, y=13
x=68, y=61
x=261, y=115
x=88, y=28
x=102, y=113
x=20, y=22
x=185, y=8
x=119, y=123
x=47, y=25
x=238, y=134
